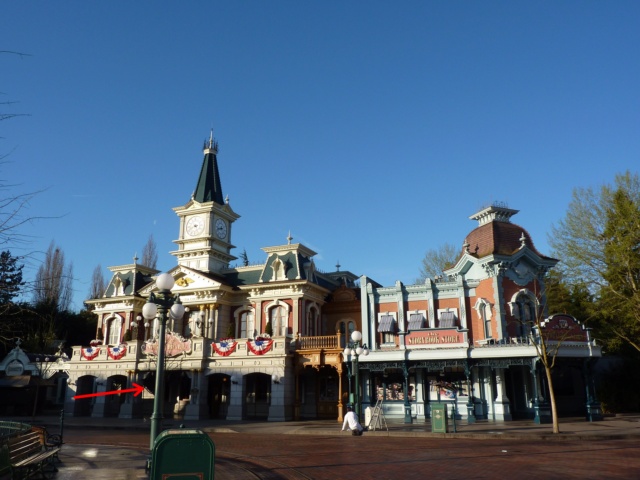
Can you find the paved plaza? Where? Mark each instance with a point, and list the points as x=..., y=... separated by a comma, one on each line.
x=118, y=449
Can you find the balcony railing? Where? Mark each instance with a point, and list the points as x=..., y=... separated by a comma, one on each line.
x=316, y=343
x=507, y=341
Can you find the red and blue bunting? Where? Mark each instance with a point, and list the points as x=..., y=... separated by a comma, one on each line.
x=89, y=353
x=260, y=346
x=225, y=347
x=116, y=353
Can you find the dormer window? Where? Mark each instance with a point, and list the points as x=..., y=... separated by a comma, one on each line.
x=278, y=270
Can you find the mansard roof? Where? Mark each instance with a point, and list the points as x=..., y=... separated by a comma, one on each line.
x=242, y=276
x=496, y=235
x=498, y=238
x=129, y=279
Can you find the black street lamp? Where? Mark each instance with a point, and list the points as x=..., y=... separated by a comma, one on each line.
x=355, y=348
x=159, y=304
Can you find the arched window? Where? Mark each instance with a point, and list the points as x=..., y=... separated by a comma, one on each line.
x=114, y=330
x=247, y=325
x=524, y=308
x=483, y=307
x=278, y=318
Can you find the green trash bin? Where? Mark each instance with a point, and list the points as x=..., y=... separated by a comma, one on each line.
x=439, y=422
x=183, y=454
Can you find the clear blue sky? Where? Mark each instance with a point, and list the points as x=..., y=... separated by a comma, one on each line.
x=371, y=130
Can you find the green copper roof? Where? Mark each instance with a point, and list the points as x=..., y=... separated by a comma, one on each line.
x=209, y=188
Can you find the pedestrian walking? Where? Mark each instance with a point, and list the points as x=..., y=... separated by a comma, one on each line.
x=351, y=420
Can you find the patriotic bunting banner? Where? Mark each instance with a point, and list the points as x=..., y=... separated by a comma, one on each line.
x=116, y=353
x=89, y=353
x=260, y=346
x=225, y=347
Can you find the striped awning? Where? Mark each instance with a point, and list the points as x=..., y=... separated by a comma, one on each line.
x=448, y=319
x=387, y=324
x=416, y=321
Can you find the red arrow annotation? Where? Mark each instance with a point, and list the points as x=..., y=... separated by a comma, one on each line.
x=136, y=388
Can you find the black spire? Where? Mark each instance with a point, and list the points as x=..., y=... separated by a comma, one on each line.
x=209, y=188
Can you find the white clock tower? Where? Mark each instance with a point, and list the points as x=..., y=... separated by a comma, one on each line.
x=204, y=242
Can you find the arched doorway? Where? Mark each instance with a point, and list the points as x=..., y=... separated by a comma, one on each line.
x=257, y=396
x=177, y=392
x=112, y=403
x=82, y=406
x=219, y=393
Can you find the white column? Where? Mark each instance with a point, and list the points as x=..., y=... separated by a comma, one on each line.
x=502, y=406
x=213, y=322
x=98, y=407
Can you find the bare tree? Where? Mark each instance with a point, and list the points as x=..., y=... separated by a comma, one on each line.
x=53, y=282
x=98, y=284
x=436, y=260
x=150, y=253
x=4, y=115
x=548, y=335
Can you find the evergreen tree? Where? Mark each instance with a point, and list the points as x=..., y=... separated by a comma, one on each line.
x=10, y=277
x=620, y=297
x=599, y=244
x=572, y=299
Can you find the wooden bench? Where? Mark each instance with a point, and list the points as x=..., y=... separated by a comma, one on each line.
x=49, y=440
x=29, y=454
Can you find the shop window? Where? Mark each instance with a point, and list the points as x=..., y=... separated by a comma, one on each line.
x=390, y=387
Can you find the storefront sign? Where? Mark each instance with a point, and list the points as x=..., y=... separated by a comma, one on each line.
x=563, y=328
x=434, y=337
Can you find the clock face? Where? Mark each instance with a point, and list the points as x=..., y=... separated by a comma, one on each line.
x=221, y=228
x=195, y=226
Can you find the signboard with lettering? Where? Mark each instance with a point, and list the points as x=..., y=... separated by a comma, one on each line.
x=426, y=338
x=563, y=327
x=174, y=345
